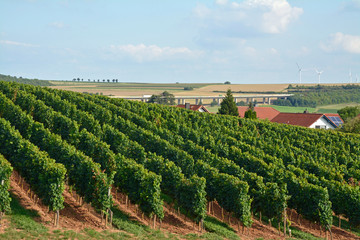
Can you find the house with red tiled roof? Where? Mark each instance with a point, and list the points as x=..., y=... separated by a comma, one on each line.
x=261, y=112
x=310, y=120
x=199, y=108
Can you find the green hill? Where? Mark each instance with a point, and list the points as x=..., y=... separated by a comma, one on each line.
x=35, y=82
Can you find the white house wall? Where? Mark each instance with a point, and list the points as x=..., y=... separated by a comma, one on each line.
x=323, y=123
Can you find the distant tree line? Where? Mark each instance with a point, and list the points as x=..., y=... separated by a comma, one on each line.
x=313, y=96
x=94, y=80
x=35, y=82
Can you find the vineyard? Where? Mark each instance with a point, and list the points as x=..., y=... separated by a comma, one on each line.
x=157, y=155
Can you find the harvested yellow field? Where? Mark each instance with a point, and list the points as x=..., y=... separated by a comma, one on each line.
x=124, y=90
x=140, y=89
x=111, y=92
x=209, y=90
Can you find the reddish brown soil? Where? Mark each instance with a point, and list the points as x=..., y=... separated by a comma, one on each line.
x=3, y=225
x=257, y=229
x=77, y=217
x=262, y=230
x=307, y=226
x=73, y=216
x=172, y=222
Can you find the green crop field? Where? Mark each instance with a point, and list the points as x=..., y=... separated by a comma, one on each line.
x=321, y=109
x=290, y=109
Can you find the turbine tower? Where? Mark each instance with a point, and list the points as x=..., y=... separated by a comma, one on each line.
x=319, y=73
x=300, y=70
x=350, y=76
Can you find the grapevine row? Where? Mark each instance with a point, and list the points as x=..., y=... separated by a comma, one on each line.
x=83, y=173
x=46, y=178
x=5, y=173
x=278, y=201
x=149, y=203
x=155, y=144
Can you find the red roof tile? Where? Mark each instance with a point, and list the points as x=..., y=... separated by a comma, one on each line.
x=299, y=119
x=194, y=107
x=261, y=112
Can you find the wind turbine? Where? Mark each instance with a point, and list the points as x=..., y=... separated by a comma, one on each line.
x=357, y=78
x=350, y=76
x=300, y=70
x=319, y=73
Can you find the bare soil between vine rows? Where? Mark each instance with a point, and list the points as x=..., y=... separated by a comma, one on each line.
x=78, y=217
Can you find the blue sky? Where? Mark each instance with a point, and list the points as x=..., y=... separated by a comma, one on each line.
x=249, y=41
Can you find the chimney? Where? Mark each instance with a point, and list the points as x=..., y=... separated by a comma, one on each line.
x=187, y=105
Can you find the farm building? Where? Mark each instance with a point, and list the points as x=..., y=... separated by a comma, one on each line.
x=199, y=108
x=261, y=112
x=310, y=120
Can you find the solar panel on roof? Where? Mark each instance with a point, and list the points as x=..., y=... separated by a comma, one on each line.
x=336, y=120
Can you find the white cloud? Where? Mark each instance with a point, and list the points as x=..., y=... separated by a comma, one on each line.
x=278, y=14
x=249, y=17
x=141, y=52
x=201, y=11
x=57, y=24
x=221, y=2
x=250, y=51
x=274, y=51
x=342, y=42
x=7, y=42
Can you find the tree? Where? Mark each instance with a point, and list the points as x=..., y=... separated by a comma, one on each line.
x=352, y=126
x=348, y=113
x=165, y=98
x=228, y=106
x=241, y=103
x=227, y=82
x=250, y=113
x=213, y=103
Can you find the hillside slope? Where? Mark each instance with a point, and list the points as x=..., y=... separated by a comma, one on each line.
x=35, y=82
x=178, y=167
